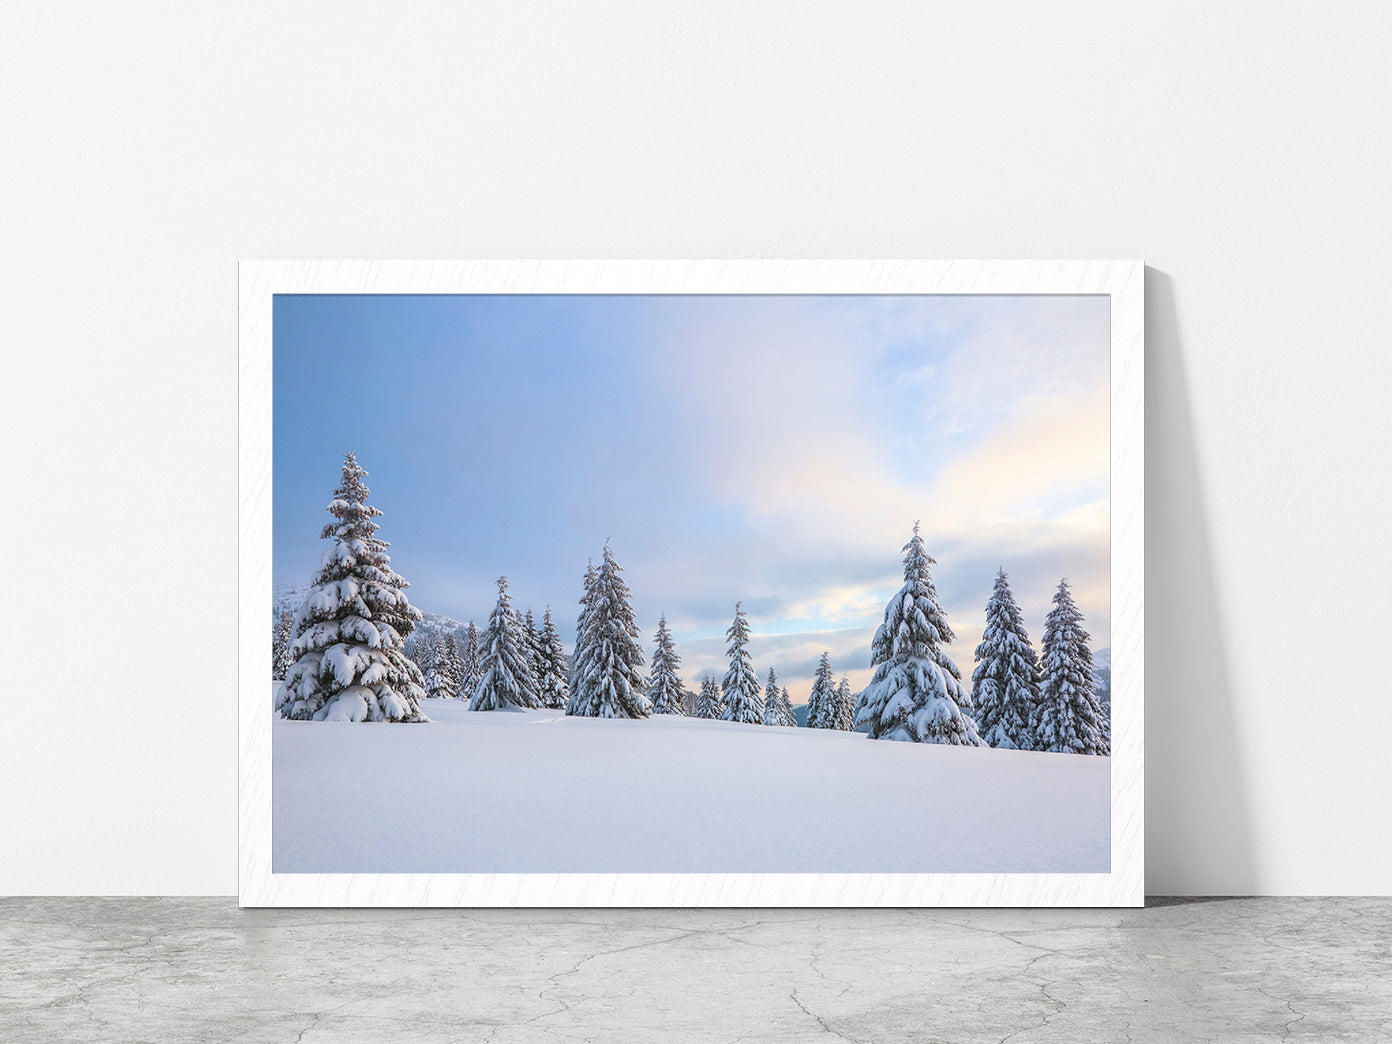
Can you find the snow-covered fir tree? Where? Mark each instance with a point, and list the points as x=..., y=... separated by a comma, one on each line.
x=1104, y=699
x=280, y=644
x=1069, y=718
x=524, y=632
x=776, y=711
x=442, y=680
x=1005, y=683
x=470, y=662
x=845, y=705
x=577, y=694
x=743, y=700
x=709, y=703
x=916, y=693
x=506, y=672
x=349, y=659
x=420, y=648
x=771, y=708
x=551, y=682
x=788, y=708
x=533, y=635
x=456, y=665
x=823, y=711
x=609, y=660
x=457, y=643
x=665, y=690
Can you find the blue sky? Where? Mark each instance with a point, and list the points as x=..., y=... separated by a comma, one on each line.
x=770, y=449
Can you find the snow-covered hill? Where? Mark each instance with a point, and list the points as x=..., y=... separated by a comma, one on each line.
x=286, y=596
x=539, y=792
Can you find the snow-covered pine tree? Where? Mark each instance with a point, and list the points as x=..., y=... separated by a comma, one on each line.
x=609, y=665
x=456, y=662
x=709, y=703
x=845, y=705
x=1005, y=683
x=420, y=649
x=790, y=718
x=450, y=657
x=666, y=691
x=280, y=644
x=349, y=662
x=527, y=636
x=773, y=702
x=470, y=662
x=822, y=710
x=442, y=681
x=578, y=697
x=458, y=643
x=551, y=683
x=1104, y=700
x=916, y=693
x=533, y=636
x=1069, y=718
x=506, y=673
x=742, y=697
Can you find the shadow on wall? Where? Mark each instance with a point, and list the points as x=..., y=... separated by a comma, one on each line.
x=1198, y=826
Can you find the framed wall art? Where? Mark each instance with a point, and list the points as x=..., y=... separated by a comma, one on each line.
x=691, y=583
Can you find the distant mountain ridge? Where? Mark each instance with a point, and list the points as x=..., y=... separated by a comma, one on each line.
x=289, y=596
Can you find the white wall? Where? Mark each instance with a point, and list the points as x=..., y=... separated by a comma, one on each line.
x=1243, y=152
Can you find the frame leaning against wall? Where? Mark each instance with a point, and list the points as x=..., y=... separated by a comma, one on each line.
x=1121, y=281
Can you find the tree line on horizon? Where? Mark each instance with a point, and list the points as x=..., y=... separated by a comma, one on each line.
x=347, y=654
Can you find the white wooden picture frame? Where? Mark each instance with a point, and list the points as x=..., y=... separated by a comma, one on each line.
x=1120, y=281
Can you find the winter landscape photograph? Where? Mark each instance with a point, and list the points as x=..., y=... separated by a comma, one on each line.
x=691, y=584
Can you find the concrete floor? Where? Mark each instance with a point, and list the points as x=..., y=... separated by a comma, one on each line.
x=175, y=970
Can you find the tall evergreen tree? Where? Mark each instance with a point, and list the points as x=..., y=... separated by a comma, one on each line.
x=916, y=693
x=1005, y=683
x=1070, y=718
x=666, y=690
x=578, y=697
x=744, y=702
x=420, y=648
x=456, y=663
x=506, y=679
x=552, y=684
x=349, y=658
x=771, y=707
x=1104, y=700
x=609, y=664
x=709, y=704
x=845, y=705
x=777, y=711
x=458, y=645
x=791, y=717
x=280, y=644
x=533, y=643
x=470, y=662
x=442, y=680
x=823, y=710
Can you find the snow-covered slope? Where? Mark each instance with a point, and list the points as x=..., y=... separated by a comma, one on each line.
x=539, y=792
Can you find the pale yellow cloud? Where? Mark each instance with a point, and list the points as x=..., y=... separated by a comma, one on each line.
x=1032, y=469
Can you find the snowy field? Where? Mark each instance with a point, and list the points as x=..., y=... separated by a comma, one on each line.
x=535, y=791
